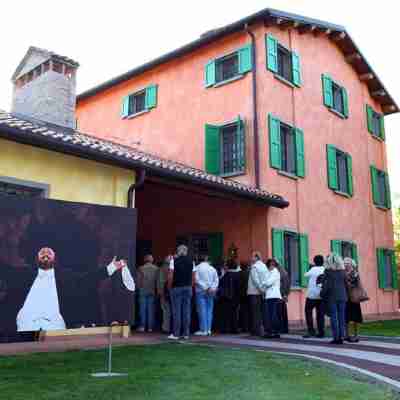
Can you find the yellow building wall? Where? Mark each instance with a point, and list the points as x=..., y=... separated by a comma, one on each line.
x=70, y=178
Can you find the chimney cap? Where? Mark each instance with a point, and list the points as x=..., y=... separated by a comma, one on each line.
x=42, y=56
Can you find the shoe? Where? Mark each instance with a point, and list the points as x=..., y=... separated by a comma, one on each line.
x=209, y=333
x=348, y=339
x=340, y=341
x=276, y=336
x=173, y=337
x=272, y=336
x=200, y=333
x=186, y=338
x=150, y=330
x=334, y=341
x=308, y=336
x=141, y=329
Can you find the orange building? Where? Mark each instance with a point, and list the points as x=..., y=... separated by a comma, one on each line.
x=280, y=103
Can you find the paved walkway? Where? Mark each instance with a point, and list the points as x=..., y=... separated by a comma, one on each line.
x=379, y=359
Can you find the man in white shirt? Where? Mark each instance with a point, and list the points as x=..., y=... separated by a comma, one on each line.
x=206, y=284
x=255, y=291
x=44, y=296
x=313, y=299
x=272, y=288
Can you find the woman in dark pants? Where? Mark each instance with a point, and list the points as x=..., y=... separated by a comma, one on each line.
x=334, y=295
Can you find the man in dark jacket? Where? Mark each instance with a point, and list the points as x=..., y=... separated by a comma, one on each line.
x=181, y=281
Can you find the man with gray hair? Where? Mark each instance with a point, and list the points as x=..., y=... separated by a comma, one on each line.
x=181, y=279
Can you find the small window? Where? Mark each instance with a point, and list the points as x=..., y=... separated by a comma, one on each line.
x=137, y=103
x=387, y=269
x=292, y=258
x=227, y=67
x=347, y=249
x=380, y=188
x=375, y=123
x=285, y=63
x=337, y=98
x=342, y=172
x=225, y=151
x=57, y=67
x=46, y=66
x=15, y=187
x=288, y=149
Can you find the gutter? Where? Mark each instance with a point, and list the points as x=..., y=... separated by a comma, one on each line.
x=49, y=143
x=255, y=114
x=137, y=185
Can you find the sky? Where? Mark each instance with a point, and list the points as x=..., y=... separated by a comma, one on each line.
x=109, y=38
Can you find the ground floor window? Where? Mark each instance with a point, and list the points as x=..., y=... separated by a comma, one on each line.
x=16, y=187
x=291, y=251
x=387, y=269
x=345, y=249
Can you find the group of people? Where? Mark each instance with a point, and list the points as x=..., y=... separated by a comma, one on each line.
x=251, y=299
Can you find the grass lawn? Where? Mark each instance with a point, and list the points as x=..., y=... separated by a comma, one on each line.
x=176, y=371
x=381, y=328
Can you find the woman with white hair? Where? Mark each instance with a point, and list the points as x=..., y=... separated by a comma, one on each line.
x=334, y=294
x=353, y=306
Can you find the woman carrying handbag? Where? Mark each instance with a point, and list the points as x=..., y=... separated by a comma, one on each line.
x=356, y=295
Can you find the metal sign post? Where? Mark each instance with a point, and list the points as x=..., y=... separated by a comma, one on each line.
x=109, y=372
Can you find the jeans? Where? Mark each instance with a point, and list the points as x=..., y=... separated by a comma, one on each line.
x=272, y=317
x=166, y=314
x=337, y=314
x=205, y=308
x=319, y=306
x=146, y=309
x=181, y=298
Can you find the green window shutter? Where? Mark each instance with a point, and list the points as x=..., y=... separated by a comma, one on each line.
x=327, y=90
x=382, y=127
x=369, y=118
x=213, y=149
x=210, y=74
x=300, y=158
x=336, y=247
x=388, y=194
x=354, y=252
x=241, y=143
x=304, y=259
x=345, y=98
x=245, y=59
x=350, y=174
x=275, y=147
x=278, y=249
x=374, y=184
x=215, y=242
x=332, y=167
x=272, y=53
x=380, y=255
x=125, y=107
x=296, y=69
x=151, y=97
x=394, y=271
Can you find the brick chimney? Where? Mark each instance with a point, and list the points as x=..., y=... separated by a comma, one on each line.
x=45, y=87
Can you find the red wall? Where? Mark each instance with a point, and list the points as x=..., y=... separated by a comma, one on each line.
x=175, y=130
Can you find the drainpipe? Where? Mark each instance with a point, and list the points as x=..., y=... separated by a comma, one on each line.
x=138, y=184
x=255, y=115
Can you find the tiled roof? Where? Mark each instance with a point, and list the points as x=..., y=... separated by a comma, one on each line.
x=42, y=134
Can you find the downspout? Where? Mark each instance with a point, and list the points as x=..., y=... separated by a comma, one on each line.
x=255, y=114
x=138, y=184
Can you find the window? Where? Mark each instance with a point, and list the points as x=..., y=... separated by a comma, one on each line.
x=335, y=96
x=283, y=62
x=140, y=101
x=225, y=150
x=291, y=251
x=345, y=249
x=211, y=244
x=137, y=103
x=375, y=123
x=227, y=67
x=286, y=147
x=231, y=66
x=387, y=269
x=380, y=188
x=340, y=171
x=16, y=187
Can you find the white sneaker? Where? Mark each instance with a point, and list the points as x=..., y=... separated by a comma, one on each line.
x=173, y=337
x=186, y=338
x=150, y=330
x=209, y=333
x=141, y=329
x=200, y=333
